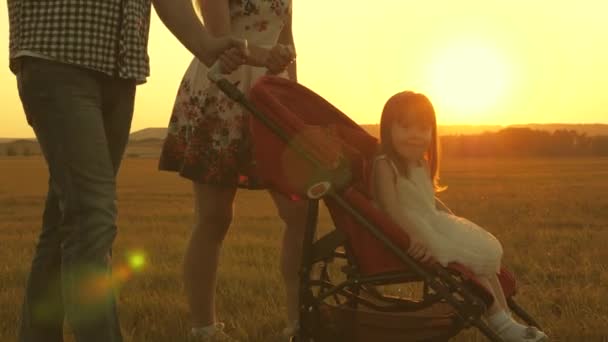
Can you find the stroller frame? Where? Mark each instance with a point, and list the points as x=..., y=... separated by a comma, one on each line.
x=440, y=284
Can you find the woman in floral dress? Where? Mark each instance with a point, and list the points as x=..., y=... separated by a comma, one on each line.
x=207, y=142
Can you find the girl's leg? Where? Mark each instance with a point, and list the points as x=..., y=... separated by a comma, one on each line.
x=213, y=215
x=493, y=286
x=293, y=213
x=499, y=318
x=499, y=294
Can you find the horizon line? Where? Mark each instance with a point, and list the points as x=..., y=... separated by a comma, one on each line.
x=376, y=124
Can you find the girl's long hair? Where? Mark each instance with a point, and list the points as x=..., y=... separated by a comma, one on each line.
x=407, y=108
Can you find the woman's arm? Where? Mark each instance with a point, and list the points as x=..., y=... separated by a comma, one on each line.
x=286, y=38
x=180, y=18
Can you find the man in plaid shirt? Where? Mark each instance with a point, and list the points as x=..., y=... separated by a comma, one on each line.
x=77, y=63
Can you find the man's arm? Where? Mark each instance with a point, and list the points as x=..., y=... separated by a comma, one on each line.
x=216, y=14
x=181, y=19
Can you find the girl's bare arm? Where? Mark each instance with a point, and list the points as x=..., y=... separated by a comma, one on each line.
x=442, y=206
x=385, y=194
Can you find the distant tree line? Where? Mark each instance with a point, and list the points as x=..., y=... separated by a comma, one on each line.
x=524, y=142
x=508, y=142
x=20, y=148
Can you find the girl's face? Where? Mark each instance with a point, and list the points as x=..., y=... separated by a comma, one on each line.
x=411, y=141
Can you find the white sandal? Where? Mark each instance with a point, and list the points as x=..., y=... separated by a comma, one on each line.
x=532, y=334
x=291, y=331
x=211, y=333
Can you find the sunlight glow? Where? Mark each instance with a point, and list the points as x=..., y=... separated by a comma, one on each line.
x=468, y=81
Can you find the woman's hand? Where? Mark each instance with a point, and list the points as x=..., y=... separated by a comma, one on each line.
x=279, y=57
x=231, y=59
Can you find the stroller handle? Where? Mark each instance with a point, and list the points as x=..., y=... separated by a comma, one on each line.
x=215, y=72
x=234, y=93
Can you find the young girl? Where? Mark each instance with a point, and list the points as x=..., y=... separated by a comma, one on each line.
x=405, y=179
x=207, y=143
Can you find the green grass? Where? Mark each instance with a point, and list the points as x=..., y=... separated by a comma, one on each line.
x=551, y=216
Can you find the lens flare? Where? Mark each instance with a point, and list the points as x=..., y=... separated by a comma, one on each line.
x=136, y=260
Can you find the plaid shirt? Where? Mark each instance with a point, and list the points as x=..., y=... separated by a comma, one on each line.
x=110, y=36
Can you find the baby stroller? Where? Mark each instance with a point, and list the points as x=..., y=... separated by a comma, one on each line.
x=306, y=148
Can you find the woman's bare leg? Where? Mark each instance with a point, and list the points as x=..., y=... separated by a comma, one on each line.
x=293, y=213
x=213, y=215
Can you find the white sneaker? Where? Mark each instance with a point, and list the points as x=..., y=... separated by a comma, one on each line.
x=211, y=333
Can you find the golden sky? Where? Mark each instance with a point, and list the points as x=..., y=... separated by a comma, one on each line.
x=480, y=61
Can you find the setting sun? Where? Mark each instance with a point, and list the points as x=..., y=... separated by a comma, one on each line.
x=467, y=81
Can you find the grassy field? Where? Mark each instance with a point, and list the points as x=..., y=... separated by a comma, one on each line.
x=551, y=216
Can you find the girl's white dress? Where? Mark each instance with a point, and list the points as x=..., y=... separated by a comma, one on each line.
x=449, y=238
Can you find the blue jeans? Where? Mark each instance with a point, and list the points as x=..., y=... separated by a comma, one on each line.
x=82, y=120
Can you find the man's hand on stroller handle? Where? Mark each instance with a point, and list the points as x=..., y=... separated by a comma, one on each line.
x=228, y=61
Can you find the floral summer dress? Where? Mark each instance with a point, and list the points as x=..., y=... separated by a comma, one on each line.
x=207, y=139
